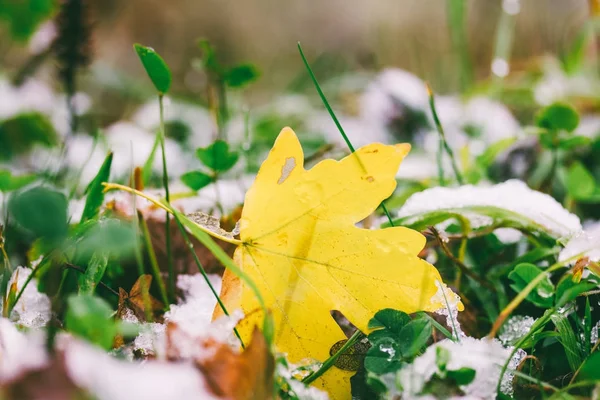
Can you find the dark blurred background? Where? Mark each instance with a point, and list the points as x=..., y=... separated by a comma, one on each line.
x=410, y=34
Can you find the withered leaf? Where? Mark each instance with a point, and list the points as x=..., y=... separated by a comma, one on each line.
x=134, y=300
x=240, y=376
x=49, y=383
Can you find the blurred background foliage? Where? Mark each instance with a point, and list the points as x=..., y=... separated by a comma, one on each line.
x=339, y=35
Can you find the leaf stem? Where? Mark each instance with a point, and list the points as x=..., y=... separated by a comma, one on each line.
x=167, y=197
x=111, y=186
x=153, y=261
x=331, y=360
x=190, y=246
x=336, y=121
x=82, y=271
x=443, y=141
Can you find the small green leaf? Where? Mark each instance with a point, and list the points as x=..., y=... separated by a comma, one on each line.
x=580, y=182
x=93, y=273
x=414, y=336
x=9, y=183
x=383, y=357
x=24, y=16
x=196, y=180
x=95, y=190
x=241, y=75
x=110, y=236
x=156, y=68
x=442, y=358
x=20, y=133
x=590, y=370
x=558, y=116
x=209, y=57
x=40, y=210
x=217, y=156
x=568, y=143
x=567, y=290
x=389, y=318
x=462, y=376
x=542, y=295
x=90, y=318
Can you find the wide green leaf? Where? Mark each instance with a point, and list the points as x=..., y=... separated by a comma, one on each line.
x=196, y=180
x=93, y=274
x=20, y=133
x=9, y=183
x=95, y=190
x=156, y=68
x=217, y=156
x=389, y=318
x=543, y=294
x=40, y=210
x=558, y=116
x=90, y=318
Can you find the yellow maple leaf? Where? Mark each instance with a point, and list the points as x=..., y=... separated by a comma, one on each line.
x=300, y=246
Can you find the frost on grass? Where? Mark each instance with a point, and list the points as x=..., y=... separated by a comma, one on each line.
x=291, y=376
x=484, y=356
x=446, y=296
x=513, y=196
x=584, y=244
x=515, y=328
x=33, y=308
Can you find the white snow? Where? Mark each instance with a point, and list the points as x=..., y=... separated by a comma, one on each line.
x=515, y=328
x=512, y=195
x=196, y=118
x=584, y=244
x=485, y=356
x=20, y=352
x=33, y=309
x=108, y=378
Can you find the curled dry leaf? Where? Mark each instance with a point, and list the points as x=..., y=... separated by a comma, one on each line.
x=134, y=300
x=301, y=247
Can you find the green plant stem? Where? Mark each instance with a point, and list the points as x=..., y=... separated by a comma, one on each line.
x=440, y=161
x=29, y=278
x=522, y=295
x=440, y=130
x=331, y=360
x=82, y=271
x=458, y=35
x=223, y=111
x=461, y=266
x=581, y=365
x=168, y=198
x=336, y=121
x=140, y=264
x=190, y=246
x=153, y=261
x=504, y=40
x=539, y=324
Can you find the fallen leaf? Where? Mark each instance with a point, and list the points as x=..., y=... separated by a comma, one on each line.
x=134, y=300
x=229, y=374
x=301, y=247
x=244, y=376
x=51, y=382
